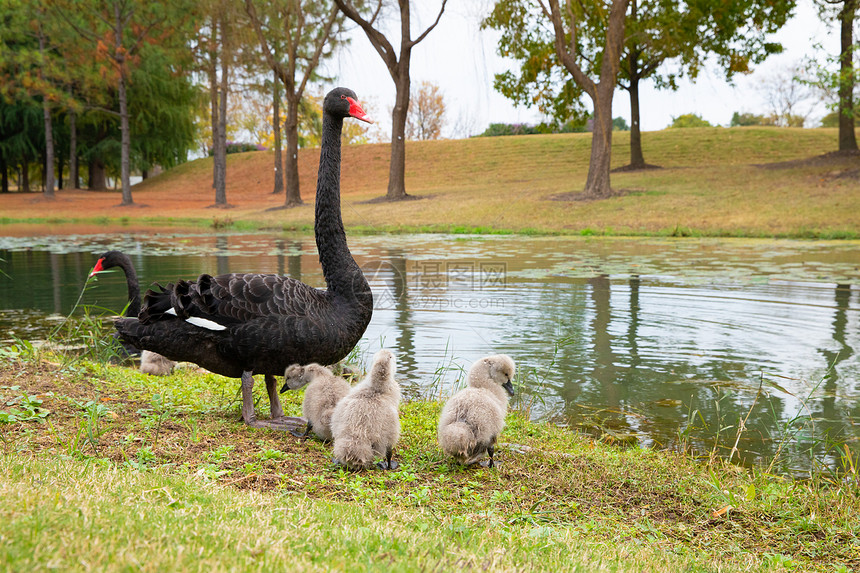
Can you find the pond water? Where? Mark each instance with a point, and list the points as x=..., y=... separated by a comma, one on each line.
x=664, y=342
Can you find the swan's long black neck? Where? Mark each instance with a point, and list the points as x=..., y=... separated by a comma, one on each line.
x=133, y=287
x=341, y=272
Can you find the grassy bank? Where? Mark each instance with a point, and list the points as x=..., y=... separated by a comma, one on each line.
x=130, y=471
x=753, y=182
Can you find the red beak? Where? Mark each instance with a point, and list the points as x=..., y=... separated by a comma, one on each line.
x=96, y=269
x=356, y=111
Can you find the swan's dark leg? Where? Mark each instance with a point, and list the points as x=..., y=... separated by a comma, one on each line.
x=274, y=400
x=281, y=422
x=248, y=398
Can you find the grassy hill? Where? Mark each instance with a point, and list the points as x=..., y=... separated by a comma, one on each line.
x=713, y=181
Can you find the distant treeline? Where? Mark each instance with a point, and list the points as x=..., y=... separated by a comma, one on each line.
x=496, y=129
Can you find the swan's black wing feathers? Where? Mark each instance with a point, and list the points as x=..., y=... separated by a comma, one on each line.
x=232, y=298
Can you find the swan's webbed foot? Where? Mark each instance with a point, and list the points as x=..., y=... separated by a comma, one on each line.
x=278, y=421
x=283, y=423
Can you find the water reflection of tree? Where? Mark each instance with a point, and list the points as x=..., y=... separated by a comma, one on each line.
x=222, y=261
x=832, y=419
x=289, y=258
x=653, y=395
x=403, y=319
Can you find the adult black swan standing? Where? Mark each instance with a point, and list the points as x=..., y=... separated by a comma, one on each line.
x=239, y=325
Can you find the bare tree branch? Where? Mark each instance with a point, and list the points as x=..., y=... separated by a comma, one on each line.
x=377, y=39
x=427, y=31
x=568, y=57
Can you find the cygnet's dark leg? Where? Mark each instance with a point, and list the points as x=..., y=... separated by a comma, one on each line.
x=490, y=450
x=279, y=422
x=303, y=435
x=388, y=463
x=392, y=464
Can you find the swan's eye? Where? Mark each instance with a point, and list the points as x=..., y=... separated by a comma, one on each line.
x=342, y=96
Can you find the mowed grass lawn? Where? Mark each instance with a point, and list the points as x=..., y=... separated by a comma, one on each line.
x=758, y=182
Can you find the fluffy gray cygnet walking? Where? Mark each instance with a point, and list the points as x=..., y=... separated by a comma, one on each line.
x=324, y=390
x=366, y=423
x=474, y=417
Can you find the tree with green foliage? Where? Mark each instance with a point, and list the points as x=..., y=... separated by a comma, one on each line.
x=686, y=34
x=115, y=32
x=689, y=120
x=747, y=119
x=161, y=107
x=844, y=80
x=294, y=37
x=398, y=63
x=34, y=69
x=218, y=49
x=21, y=137
x=656, y=33
x=587, y=40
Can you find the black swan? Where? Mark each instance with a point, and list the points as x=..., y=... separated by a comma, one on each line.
x=324, y=390
x=150, y=362
x=474, y=417
x=238, y=325
x=365, y=423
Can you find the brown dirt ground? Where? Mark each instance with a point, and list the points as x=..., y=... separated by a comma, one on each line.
x=189, y=194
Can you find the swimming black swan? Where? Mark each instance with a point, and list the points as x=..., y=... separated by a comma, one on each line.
x=474, y=417
x=239, y=325
x=150, y=362
x=365, y=423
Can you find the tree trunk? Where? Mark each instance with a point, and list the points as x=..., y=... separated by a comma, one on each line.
x=213, y=112
x=597, y=184
x=221, y=154
x=49, y=134
x=125, y=154
x=276, y=126
x=4, y=175
x=294, y=196
x=60, y=172
x=73, y=151
x=637, y=160
x=397, y=166
x=98, y=181
x=25, y=177
x=847, y=138
x=125, y=137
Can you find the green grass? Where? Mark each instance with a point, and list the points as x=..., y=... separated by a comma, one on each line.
x=157, y=473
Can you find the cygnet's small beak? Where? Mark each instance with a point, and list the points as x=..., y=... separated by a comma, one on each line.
x=509, y=387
